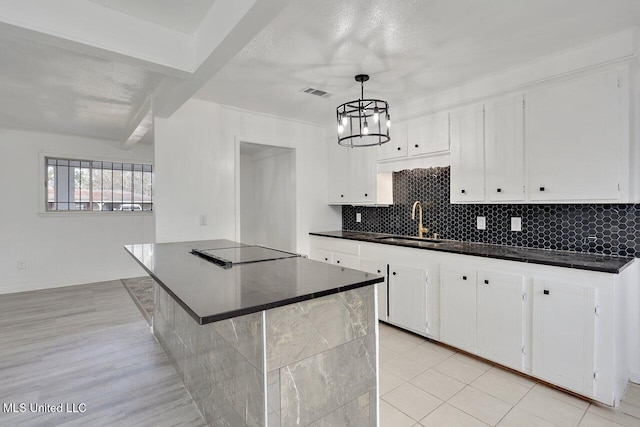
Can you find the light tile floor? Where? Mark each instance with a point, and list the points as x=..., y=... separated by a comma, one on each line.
x=426, y=384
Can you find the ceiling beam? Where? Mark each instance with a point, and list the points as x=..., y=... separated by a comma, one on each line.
x=172, y=93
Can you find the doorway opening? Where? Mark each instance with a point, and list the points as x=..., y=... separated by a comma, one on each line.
x=267, y=209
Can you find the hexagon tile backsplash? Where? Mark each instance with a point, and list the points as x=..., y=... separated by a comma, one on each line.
x=611, y=229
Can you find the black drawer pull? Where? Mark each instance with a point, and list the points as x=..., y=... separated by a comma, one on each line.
x=394, y=273
x=463, y=191
x=337, y=261
x=416, y=145
x=464, y=277
x=398, y=148
x=366, y=195
x=546, y=292
x=326, y=259
x=499, y=190
x=486, y=282
x=541, y=188
x=342, y=195
x=379, y=272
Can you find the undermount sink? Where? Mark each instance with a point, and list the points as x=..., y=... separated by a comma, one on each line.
x=412, y=240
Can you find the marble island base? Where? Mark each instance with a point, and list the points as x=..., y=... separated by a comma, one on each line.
x=312, y=363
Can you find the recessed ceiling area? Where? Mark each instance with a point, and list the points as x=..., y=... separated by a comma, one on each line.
x=409, y=48
x=179, y=15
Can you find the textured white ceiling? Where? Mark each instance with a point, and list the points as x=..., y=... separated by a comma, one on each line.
x=179, y=15
x=410, y=48
x=52, y=89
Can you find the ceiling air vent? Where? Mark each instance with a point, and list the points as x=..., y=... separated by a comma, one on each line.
x=316, y=92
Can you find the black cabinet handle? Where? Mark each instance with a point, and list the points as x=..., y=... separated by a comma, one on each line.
x=398, y=148
x=326, y=259
x=366, y=195
x=546, y=292
x=342, y=195
x=416, y=145
x=379, y=272
x=486, y=282
x=463, y=191
x=394, y=273
x=499, y=190
x=338, y=262
x=464, y=277
x=541, y=188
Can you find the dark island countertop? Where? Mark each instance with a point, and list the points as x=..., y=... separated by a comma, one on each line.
x=209, y=292
x=581, y=261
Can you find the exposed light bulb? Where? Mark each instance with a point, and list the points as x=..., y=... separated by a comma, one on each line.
x=344, y=119
x=340, y=128
x=365, y=128
x=388, y=121
x=376, y=115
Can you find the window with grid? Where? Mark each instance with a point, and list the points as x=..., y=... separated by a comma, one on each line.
x=89, y=185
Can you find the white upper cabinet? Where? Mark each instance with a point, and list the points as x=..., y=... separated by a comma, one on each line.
x=467, y=154
x=352, y=177
x=504, y=149
x=429, y=134
x=397, y=147
x=338, y=174
x=362, y=175
x=576, y=138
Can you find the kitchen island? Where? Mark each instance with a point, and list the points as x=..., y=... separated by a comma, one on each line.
x=263, y=337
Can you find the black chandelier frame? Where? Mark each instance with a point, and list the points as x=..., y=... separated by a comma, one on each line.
x=360, y=112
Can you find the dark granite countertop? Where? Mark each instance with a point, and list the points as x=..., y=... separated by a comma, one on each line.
x=581, y=261
x=210, y=293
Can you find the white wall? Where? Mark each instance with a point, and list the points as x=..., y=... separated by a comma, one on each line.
x=195, y=156
x=61, y=249
x=247, y=233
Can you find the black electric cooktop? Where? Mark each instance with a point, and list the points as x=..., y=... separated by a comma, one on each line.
x=228, y=257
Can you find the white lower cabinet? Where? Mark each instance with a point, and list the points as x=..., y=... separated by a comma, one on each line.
x=408, y=297
x=378, y=268
x=563, y=334
x=565, y=326
x=500, y=324
x=458, y=307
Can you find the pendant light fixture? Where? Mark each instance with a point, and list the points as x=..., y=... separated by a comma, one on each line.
x=365, y=122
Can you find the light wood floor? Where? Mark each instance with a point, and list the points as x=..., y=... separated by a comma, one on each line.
x=87, y=344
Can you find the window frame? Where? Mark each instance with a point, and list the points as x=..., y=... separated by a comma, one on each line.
x=43, y=193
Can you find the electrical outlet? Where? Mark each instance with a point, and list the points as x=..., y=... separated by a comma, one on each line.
x=22, y=264
x=481, y=223
x=358, y=217
x=203, y=220
x=516, y=223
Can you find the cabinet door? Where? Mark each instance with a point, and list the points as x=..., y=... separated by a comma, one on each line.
x=504, y=149
x=362, y=175
x=467, y=154
x=574, y=137
x=378, y=268
x=321, y=255
x=397, y=147
x=429, y=134
x=338, y=174
x=344, y=260
x=458, y=307
x=499, y=317
x=563, y=334
x=408, y=297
